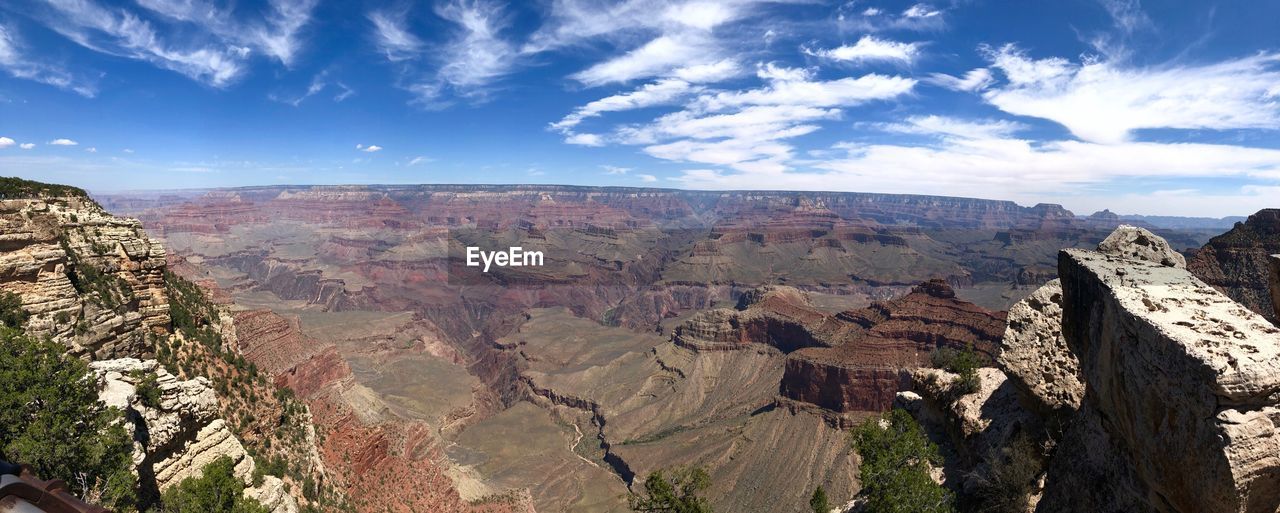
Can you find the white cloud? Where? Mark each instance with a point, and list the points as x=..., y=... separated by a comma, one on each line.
x=346, y=92
x=1100, y=101
x=584, y=139
x=419, y=160
x=870, y=49
x=657, y=57
x=657, y=93
x=921, y=11
x=974, y=80
x=871, y=11
x=275, y=34
x=954, y=127
x=475, y=56
x=368, y=149
x=91, y=149
x=18, y=66
x=27, y=146
x=797, y=91
x=647, y=178
x=127, y=150
x=6, y=142
x=393, y=38
x=62, y=142
x=615, y=170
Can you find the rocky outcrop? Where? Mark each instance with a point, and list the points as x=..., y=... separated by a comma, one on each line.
x=1170, y=362
x=1134, y=243
x=90, y=280
x=176, y=429
x=1035, y=355
x=1236, y=262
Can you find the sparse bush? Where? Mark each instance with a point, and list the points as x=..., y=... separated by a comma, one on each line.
x=1008, y=479
x=148, y=389
x=897, y=460
x=674, y=491
x=963, y=363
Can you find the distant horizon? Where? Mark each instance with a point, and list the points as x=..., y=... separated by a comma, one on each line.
x=1167, y=108
x=1076, y=213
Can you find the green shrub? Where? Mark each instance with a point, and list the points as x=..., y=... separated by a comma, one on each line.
x=51, y=419
x=1008, y=479
x=148, y=389
x=897, y=460
x=673, y=492
x=818, y=502
x=12, y=315
x=963, y=363
x=217, y=490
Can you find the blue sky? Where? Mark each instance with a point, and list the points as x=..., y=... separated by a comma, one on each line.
x=1158, y=108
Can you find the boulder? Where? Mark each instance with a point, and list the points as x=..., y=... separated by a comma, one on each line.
x=1182, y=377
x=1137, y=243
x=1036, y=357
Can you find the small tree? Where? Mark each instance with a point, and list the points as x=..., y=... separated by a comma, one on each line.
x=963, y=363
x=217, y=490
x=818, y=502
x=51, y=419
x=676, y=492
x=12, y=314
x=896, y=463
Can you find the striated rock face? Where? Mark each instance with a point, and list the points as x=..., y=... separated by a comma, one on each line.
x=1170, y=362
x=861, y=367
x=1273, y=279
x=90, y=280
x=1236, y=262
x=1035, y=355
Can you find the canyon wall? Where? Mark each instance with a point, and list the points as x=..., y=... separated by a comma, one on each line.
x=1236, y=262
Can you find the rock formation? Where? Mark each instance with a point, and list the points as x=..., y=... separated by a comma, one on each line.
x=1165, y=388
x=177, y=432
x=1236, y=262
x=89, y=280
x=1274, y=283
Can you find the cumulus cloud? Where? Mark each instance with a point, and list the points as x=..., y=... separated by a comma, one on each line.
x=647, y=178
x=6, y=142
x=615, y=170
x=62, y=142
x=1100, y=101
x=870, y=49
x=368, y=149
x=27, y=146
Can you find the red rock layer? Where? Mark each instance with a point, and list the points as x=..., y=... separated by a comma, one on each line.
x=861, y=372
x=1236, y=262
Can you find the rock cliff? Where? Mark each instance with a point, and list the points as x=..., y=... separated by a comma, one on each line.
x=1144, y=389
x=1236, y=262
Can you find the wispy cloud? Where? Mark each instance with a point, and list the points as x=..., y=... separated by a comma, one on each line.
x=62, y=142
x=19, y=66
x=393, y=37
x=647, y=178
x=1099, y=101
x=615, y=170
x=974, y=80
x=419, y=160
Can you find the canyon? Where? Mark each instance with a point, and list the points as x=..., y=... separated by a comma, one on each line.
x=742, y=332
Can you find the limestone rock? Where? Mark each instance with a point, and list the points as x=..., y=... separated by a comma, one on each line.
x=1137, y=243
x=1182, y=376
x=178, y=435
x=272, y=495
x=1036, y=357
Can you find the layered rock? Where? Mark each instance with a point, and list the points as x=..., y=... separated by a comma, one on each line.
x=869, y=351
x=90, y=280
x=1236, y=262
x=177, y=432
x=1274, y=283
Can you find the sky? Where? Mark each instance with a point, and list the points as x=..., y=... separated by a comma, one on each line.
x=1169, y=107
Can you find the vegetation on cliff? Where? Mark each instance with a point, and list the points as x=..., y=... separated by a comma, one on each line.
x=51, y=419
x=673, y=491
x=897, y=464
x=270, y=421
x=12, y=187
x=216, y=490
